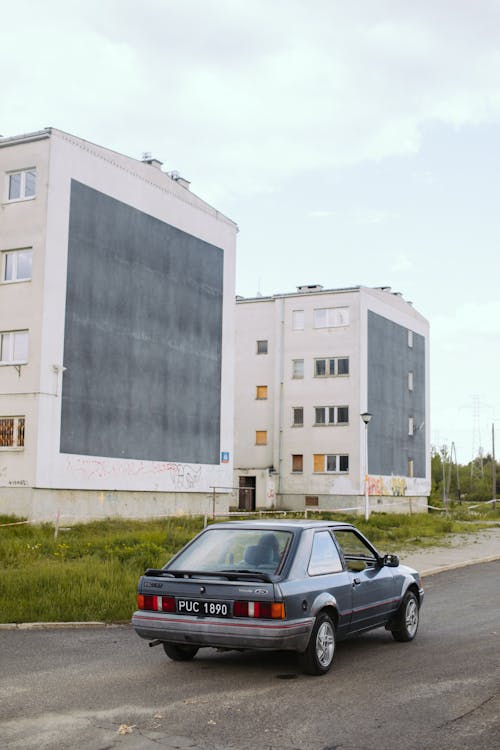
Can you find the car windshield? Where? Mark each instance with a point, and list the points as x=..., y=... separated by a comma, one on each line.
x=240, y=550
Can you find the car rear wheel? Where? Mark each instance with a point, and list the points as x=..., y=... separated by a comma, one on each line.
x=405, y=625
x=180, y=652
x=318, y=656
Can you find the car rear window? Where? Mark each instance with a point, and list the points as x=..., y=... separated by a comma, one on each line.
x=229, y=550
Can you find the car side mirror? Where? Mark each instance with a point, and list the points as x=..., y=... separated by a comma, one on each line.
x=391, y=561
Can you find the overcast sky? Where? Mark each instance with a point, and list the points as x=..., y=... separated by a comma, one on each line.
x=353, y=142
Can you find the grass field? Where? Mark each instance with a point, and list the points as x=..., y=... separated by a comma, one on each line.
x=90, y=571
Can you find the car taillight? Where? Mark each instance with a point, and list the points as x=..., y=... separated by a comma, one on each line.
x=156, y=603
x=262, y=610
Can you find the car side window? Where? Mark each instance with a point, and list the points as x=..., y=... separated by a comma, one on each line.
x=325, y=557
x=357, y=554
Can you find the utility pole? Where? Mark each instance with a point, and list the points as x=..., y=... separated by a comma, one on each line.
x=493, y=466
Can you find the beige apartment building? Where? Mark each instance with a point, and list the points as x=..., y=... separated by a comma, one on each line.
x=116, y=335
x=308, y=365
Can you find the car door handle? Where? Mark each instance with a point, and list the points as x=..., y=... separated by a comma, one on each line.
x=356, y=581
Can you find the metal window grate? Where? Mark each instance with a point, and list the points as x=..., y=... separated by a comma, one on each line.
x=11, y=432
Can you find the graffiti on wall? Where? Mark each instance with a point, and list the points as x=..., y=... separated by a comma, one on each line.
x=396, y=488
x=181, y=476
x=5, y=482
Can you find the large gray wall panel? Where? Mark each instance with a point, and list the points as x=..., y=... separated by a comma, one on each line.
x=143, y=336
x=390, y=400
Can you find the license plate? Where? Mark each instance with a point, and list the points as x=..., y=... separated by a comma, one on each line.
x=202, y=608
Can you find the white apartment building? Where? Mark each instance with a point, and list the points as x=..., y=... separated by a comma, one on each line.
x=308, y=365
x=116, y=335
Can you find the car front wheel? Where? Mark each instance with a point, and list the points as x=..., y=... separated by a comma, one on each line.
x=318, y=656
x=405, y=625
x=179, y=652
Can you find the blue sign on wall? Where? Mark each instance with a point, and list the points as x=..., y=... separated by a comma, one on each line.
x=224, y=457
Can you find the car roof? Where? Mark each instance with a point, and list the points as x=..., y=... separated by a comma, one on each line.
x=289, y=524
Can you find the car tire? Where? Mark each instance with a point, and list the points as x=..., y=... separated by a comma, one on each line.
x=405, y=625
x=180, y=652
x=318, y=656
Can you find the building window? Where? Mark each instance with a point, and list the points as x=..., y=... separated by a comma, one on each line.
x=331, y=317
x=13, y=347
x=297, y=368
x=11, y=432
x=262, y=346
x=261, y=394
x=342, y=365
x=331, y=415
x=298, y=416
x=410, y=468
x=342, y=414
x=22, y=185
x=410, y=339
x=298, y=320
x=329, y=367
x=16, y=265
x=297, y=463
x=324, y=415
x=330, y=463
x=410, y=381
x=261, y=437
x=411, y=426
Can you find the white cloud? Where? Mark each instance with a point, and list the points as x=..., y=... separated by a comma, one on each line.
x=402, y=263
x=262, y=90
x=476, y=319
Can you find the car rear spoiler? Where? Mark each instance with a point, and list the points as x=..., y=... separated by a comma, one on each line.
x=228, y=575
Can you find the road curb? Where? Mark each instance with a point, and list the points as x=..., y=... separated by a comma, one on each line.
x=61, y=625
x=456, y=565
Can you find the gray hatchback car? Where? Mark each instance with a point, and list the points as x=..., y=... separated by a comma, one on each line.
x=287, y=585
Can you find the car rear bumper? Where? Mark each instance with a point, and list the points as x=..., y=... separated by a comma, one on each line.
x=223, y=633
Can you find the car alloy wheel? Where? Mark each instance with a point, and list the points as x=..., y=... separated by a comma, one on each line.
x=411, y=617
x=325, y=644
x=405, y=625
x=318, y=656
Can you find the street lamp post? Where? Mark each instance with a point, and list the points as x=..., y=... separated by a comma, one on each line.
x=366, y=417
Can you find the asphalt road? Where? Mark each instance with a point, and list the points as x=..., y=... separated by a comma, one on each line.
x=62, y=689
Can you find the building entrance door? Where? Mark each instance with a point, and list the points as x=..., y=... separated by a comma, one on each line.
x=246, y=493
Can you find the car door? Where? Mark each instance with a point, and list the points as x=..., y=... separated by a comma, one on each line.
x=373, y=585
x=327, y=574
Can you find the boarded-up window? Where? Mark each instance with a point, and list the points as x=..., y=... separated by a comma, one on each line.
x=297, y=462
x=312, y=501
x=261, y=392
x=319, y=462
x=261, y=437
